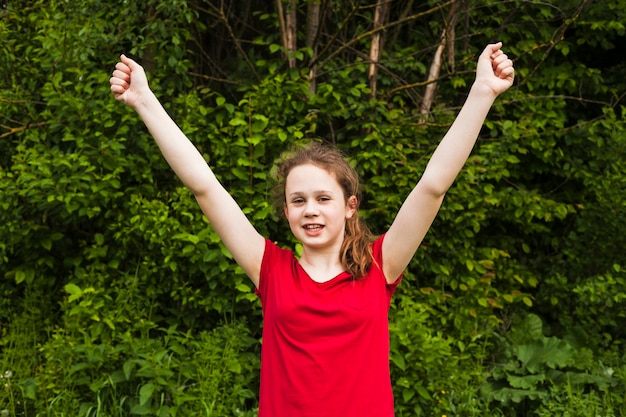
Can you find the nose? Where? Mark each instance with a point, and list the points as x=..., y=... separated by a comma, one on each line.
x=311, y=209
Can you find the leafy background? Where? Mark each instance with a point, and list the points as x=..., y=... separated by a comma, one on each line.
x=116, y=296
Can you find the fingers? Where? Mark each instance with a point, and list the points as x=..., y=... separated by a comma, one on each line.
x=505, y=71
x=502, y=65
x=495, y=69
x=131, y=64
x=123, y=70
x=120, y=78
x=117, y=89
x=492, y=49
x=128, y=81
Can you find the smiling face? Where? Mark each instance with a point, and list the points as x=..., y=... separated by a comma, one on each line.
x=316, y=207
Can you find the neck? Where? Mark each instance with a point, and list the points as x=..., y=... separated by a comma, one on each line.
x=321, y=266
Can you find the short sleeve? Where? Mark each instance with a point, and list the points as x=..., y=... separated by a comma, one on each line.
x=273, y=258
x=377, y=254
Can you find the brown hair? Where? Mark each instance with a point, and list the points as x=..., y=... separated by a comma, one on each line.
x=356, y=249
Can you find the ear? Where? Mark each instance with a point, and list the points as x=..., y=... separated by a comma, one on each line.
x=351, y=206
x=286, y=211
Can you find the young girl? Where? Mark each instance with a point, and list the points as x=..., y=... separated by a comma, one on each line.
x=325, y=346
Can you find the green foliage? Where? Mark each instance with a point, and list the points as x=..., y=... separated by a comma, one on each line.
x=117, y=296
x=113, y=361
x=434, y=372
x=533, y=371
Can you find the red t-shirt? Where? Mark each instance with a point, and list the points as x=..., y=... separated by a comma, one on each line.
x=325, y=346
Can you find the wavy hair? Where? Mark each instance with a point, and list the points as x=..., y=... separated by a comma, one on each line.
x=356, y=248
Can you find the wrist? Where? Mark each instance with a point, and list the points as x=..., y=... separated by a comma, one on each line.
x=482, y=91
x=145, y=101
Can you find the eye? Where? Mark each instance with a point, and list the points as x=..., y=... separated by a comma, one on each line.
x=324, y=199
x=297, y=201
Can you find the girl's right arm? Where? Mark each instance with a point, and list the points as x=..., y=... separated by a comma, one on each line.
x=129, y=85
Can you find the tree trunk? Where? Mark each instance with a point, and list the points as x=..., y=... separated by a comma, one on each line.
x=380, y=16
x=313, y=19
x=287, y=23
x=447, y=36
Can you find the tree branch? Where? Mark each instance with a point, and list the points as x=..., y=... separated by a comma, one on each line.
x=13, y=130
x=224, y=20
x=385, y=27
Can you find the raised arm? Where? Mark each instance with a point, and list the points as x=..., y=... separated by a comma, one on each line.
x=494, y=75
x=129, y=85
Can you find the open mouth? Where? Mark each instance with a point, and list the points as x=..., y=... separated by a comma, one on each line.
x=313, y=227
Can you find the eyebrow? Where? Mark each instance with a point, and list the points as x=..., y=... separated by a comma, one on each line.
x=317, y=192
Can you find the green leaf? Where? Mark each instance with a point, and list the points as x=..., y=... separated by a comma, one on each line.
x=243, y=287
x=46, y=244
x=74, y=291
x=407, y=394
x=141, y=409
x=423, y=392
x=398, y=360
x=259, y=123
x=529, y=382
x=20, y=276
x=30, y=389
x=543, y=354
x=145, y=393
x=234, y=366
x=128, y=368
x=275, y=48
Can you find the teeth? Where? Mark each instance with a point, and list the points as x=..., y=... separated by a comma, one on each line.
x=312, y=227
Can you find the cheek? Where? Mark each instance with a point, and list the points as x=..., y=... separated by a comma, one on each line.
x=290, y=214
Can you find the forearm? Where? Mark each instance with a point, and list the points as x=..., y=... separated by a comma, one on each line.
x=178, y=150
x=457, y=144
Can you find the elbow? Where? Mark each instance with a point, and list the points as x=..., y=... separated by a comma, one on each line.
x=431, y=187
x=202, y=185
x=198, y=192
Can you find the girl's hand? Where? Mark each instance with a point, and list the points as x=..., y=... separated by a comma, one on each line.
x=494, y=69
x=129, y=82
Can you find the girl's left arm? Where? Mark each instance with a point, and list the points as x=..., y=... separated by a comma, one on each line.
x=494, y=75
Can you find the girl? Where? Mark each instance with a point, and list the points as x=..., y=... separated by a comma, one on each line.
x=325, y=335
